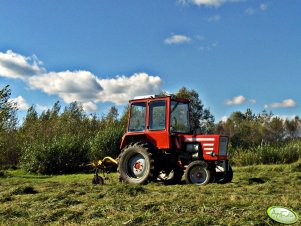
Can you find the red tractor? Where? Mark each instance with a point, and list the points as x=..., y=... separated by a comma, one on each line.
x=159, y=144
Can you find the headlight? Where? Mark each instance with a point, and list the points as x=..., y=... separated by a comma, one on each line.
x=192, y=147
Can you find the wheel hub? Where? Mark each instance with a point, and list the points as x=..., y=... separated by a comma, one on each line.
x=137, y=165
x=198, y=175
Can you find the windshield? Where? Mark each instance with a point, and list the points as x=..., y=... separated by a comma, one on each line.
x=179, y=117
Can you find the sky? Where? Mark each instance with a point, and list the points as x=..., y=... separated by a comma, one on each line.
x=236, y=54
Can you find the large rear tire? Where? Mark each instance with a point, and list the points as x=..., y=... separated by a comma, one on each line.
x=136, y=164
x=197, y=173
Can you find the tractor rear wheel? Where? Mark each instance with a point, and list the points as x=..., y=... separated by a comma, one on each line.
x=197, y=172
x=136, y=164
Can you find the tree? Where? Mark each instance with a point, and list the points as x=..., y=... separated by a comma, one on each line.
x=8, y=110
x=200, y=117
x=9, y=151
x=293, y=127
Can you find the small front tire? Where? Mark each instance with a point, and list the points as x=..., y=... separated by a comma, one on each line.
x=197, y=173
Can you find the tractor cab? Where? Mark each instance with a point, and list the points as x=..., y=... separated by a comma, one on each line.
x=159, y=144
x=157, y=119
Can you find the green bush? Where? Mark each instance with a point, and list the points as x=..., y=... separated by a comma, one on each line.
x=107, y=142
x=62, y=155
x=280, y=153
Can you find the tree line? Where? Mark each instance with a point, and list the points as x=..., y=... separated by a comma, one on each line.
x=65, y=140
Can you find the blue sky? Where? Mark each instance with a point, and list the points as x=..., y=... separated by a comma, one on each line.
x=237, y=54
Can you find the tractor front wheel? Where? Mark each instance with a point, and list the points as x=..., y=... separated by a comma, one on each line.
x=197, y=172
x=136, y=164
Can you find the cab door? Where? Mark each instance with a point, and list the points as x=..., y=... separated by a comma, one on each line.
x=157, y=125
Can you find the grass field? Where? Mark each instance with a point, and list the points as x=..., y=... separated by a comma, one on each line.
x=31, y=199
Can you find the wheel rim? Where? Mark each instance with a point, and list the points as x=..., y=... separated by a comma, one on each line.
x=136, y=166
x=198, y=175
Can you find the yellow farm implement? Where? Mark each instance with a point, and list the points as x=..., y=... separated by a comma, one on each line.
x=104, y=166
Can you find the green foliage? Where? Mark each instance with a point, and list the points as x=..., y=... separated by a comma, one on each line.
x=62, y=155
x=247, y=130
x=285, y=152
x=54, y=142
x=9, y=150
x=61, y=140
x=62, y=143
x=8, y=110
x=200, y=117
x=107, y=140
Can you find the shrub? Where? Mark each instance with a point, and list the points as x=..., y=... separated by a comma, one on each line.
x=107, y=142
x=280, y=153
x=62, y=155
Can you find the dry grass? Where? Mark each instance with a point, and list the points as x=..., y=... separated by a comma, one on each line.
x=30, y=199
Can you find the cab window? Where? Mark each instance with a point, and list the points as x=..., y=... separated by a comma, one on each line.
x=137, y=117
x=157, y=115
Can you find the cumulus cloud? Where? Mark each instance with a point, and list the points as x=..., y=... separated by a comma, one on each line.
x=81, y=86
x=89, y=106
x=288, y=103
x=121, y=88
x=236, y=100
x=21, y=103
x=13, y=65
x=239, y=100
x=71, y=86
x=84, y=87
x=177, y=39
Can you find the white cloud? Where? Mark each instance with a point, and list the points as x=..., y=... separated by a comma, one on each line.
x=71, y=86
x=177, y=39
x=215, y=3
x=86, y=88
x=224, y=118
x=81, y=86
x=211, y=3
x=236, y=100
x=14, y=65
x=21, y=103
x=121, y=88
x=288, y=103
x=89, y=106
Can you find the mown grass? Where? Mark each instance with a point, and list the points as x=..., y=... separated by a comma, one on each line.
x=31, y=199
